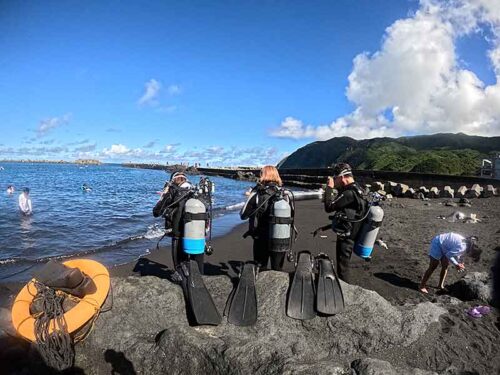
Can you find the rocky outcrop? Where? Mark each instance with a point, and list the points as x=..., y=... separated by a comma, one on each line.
x=246, y=176
x=147, y=332
x=473, y=286
x=147, y=327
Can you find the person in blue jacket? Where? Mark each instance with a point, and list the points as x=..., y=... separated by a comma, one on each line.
x=449, y=248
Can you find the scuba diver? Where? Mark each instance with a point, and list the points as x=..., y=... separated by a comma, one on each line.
x=349, y=207
x=449, y=248
x=187, y=221
x=270, y=210
x=184, y=213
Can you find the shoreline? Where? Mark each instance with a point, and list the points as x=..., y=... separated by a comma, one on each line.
x=393, y=273
x=388, y=303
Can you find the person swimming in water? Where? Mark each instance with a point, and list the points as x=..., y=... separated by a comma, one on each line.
x=25, y=204
x=10, y=189
x=86, y=188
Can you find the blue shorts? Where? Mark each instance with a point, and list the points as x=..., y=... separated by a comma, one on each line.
x=435, y=249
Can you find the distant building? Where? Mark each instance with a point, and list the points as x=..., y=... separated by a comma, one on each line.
x=491, y=167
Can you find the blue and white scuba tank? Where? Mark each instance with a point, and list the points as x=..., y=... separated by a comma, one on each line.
x=195, y=216
x=368, y=232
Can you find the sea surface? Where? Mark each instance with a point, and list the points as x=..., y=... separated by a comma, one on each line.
x=112, y=224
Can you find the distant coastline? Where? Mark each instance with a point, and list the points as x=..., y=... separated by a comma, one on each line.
x=78, y=161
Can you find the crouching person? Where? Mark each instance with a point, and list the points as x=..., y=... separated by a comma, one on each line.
x=449, y=248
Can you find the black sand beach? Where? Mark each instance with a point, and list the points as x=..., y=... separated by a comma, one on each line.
x=394, y=273
x=457, y=340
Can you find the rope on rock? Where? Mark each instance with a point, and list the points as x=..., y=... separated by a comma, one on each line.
x=56, y=347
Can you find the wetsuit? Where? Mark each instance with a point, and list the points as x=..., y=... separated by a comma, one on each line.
x=257, y=209
x=350, y=202
x=171, y=206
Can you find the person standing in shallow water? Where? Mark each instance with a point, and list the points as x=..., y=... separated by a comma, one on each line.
x=449, y=248
x=349, y=207
x=257, y=210
x=171, y=206
x=25, y=204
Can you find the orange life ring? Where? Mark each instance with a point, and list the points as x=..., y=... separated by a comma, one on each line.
x=23, y=321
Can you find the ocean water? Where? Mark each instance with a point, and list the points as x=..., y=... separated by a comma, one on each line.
x=112, y=224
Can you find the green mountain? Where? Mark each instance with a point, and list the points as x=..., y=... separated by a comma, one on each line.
x=456, y=154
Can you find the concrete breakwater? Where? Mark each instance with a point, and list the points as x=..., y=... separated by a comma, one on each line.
x=395, y=183
x=407, y=184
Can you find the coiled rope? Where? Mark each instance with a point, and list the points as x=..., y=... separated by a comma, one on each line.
x=56, y=347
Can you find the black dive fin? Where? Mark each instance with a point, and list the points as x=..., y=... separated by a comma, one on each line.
x=301, y=294
x=243, y=307
x=199, y=299
x=329, y=297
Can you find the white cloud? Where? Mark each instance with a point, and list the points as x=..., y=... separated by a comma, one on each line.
x=174, y=90
x=414, y=83
x=292, y=128
x=47, y=125
x=170, y=149
x=151, y=91
x=115, y=150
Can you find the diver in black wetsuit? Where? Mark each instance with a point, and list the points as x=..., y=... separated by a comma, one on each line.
x=258, y=210
x=349, y=207
x=171, y=206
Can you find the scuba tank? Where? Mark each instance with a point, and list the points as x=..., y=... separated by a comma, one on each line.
x=195, y=216
x=368, y=232
x=280, y=223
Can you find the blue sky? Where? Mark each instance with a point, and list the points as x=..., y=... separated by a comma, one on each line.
x=235, y=82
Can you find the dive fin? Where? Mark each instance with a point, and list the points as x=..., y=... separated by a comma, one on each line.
x=329, y=297
x=300, y=303
x=199, y=299
x=243, y=307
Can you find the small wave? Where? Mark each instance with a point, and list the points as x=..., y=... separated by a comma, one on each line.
x=6, y=261
x=154, y=231
x=236, y=206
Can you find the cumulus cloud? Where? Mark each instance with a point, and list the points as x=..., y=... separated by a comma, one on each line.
x=151, y=91
x=47, y=125
x=117, y=149
x=415, y=83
